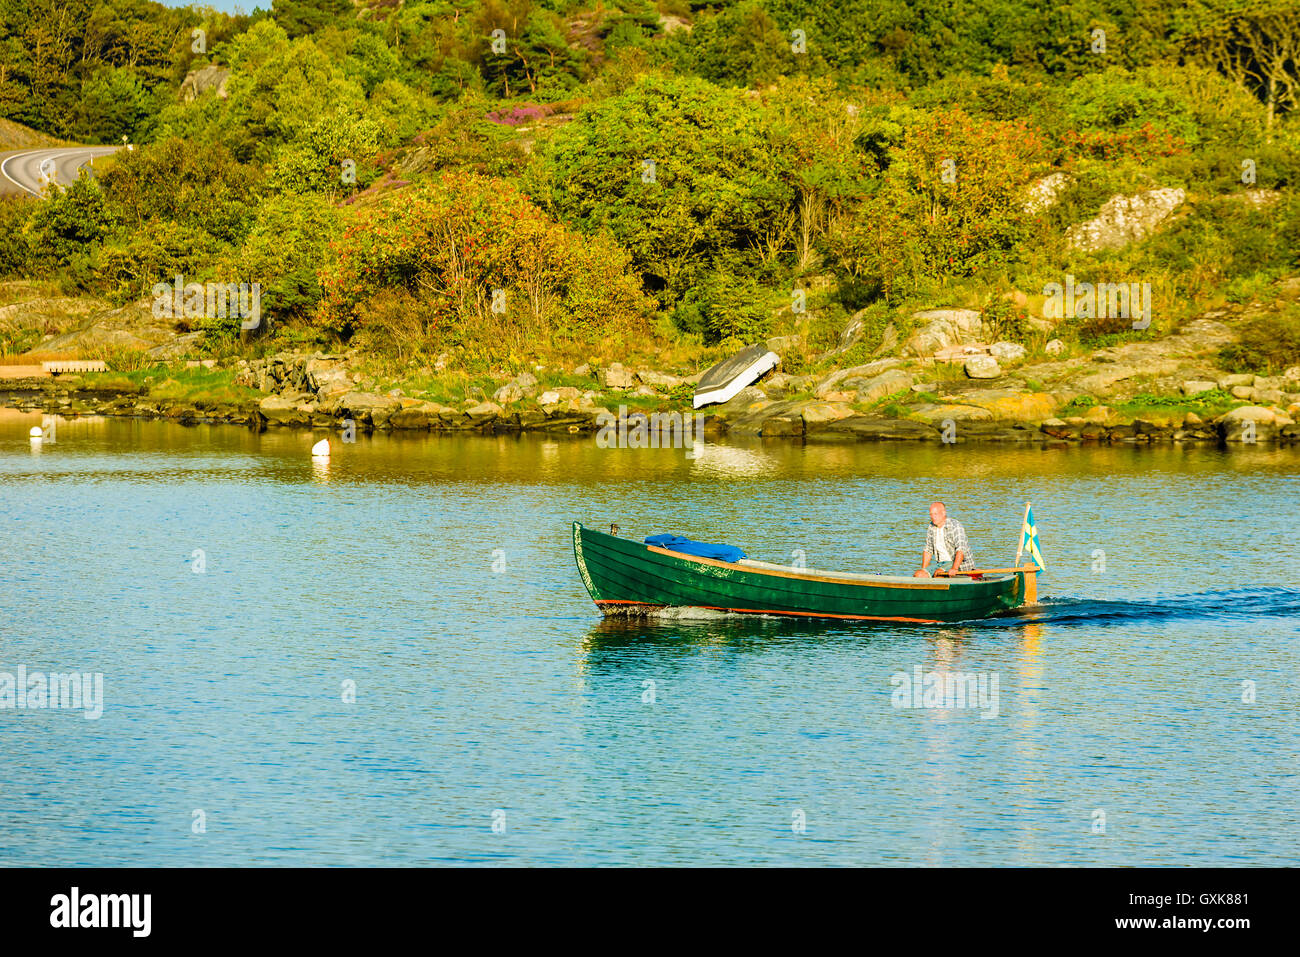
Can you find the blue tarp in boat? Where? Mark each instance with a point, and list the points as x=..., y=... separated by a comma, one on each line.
x=677, y=543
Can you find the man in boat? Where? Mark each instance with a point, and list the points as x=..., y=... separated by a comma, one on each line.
x=945, y=542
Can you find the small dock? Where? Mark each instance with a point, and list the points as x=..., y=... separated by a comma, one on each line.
x=57, y=366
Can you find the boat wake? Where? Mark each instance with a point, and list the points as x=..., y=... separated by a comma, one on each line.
x=1240, y=604
x=690, y=613
x=673, y=623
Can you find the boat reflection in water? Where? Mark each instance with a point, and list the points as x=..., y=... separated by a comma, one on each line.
x=729, y=461
x=685, y=629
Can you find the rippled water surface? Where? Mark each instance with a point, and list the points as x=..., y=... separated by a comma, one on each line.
x=435, y=575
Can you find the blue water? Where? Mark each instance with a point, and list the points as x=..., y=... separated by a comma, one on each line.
x=435, y=574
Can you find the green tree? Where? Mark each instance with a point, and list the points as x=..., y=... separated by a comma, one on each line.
x=65, y=228
x=199, y=185
x=678, y=170
x=457, y=240
x=303, y=17
x=330, y=156
x=950, y=202
x=113, y=104
x=289, y=240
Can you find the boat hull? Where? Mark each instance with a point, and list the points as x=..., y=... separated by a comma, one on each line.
x=627, y=577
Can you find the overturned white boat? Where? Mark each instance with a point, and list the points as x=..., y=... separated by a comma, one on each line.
x=725, y=380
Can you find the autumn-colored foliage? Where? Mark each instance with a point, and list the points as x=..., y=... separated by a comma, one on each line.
x=1144, y=143
x=952, y=201
x=480, y=259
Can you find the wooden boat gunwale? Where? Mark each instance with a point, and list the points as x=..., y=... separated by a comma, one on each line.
x=834, y=578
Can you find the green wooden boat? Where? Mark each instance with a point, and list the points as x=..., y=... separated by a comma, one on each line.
x=628, y=577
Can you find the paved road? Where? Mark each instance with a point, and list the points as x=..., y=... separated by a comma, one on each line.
x=21, y=171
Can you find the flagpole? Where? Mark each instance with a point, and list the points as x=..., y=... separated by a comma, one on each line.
x=1021, y=546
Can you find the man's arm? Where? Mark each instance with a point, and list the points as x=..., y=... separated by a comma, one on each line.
x=925, y=554
x=956, y=564
x=961, y=547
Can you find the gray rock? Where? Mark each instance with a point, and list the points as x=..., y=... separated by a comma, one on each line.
x=1007, y=351
x=888, y=341
x=1044, y=193
x=198, y=82
x=937, y=414
x=1250, y=423
x=510, y=392
x=174, y=348
x=1101, y=382
x=743, y=401
x=1125, y=219
x=659, y=380
x=783, y=344
x=942, y=329
x=777, y=383
x=293, y=410
x=867, y=371
x=1054, y=348
x=1196, y=386
x=484, y=412
x=820, y=413
x=849, y=335
x=616, y=377
x=367, y=406
x=1231, y=381
x=789, y=424
x=864, y=427
x=877, y=387
x=983, y=367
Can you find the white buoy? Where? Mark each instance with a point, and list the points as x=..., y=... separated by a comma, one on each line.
x=36, y=432
x=321, y=450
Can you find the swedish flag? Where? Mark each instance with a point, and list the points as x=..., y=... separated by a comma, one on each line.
x=1029, y=539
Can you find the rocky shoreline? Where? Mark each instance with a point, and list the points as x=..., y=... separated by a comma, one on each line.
x=320, y=392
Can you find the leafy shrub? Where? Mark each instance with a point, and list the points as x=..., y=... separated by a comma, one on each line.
x=64, y=229
x=484, y=262
x=131, y=261
x=1006, y=321
x=15, y=251
x=283, y=251
x=314, y=160
x=393, y=322
x=950, y=203
x=1144, y=143
x=199, y=185
x=1266, y=345
x=679, y=171
x=727, y=305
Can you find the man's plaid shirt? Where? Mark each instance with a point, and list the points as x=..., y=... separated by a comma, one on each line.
x=954, y=537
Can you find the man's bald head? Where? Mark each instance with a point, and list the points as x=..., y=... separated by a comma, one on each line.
x=938, y=514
